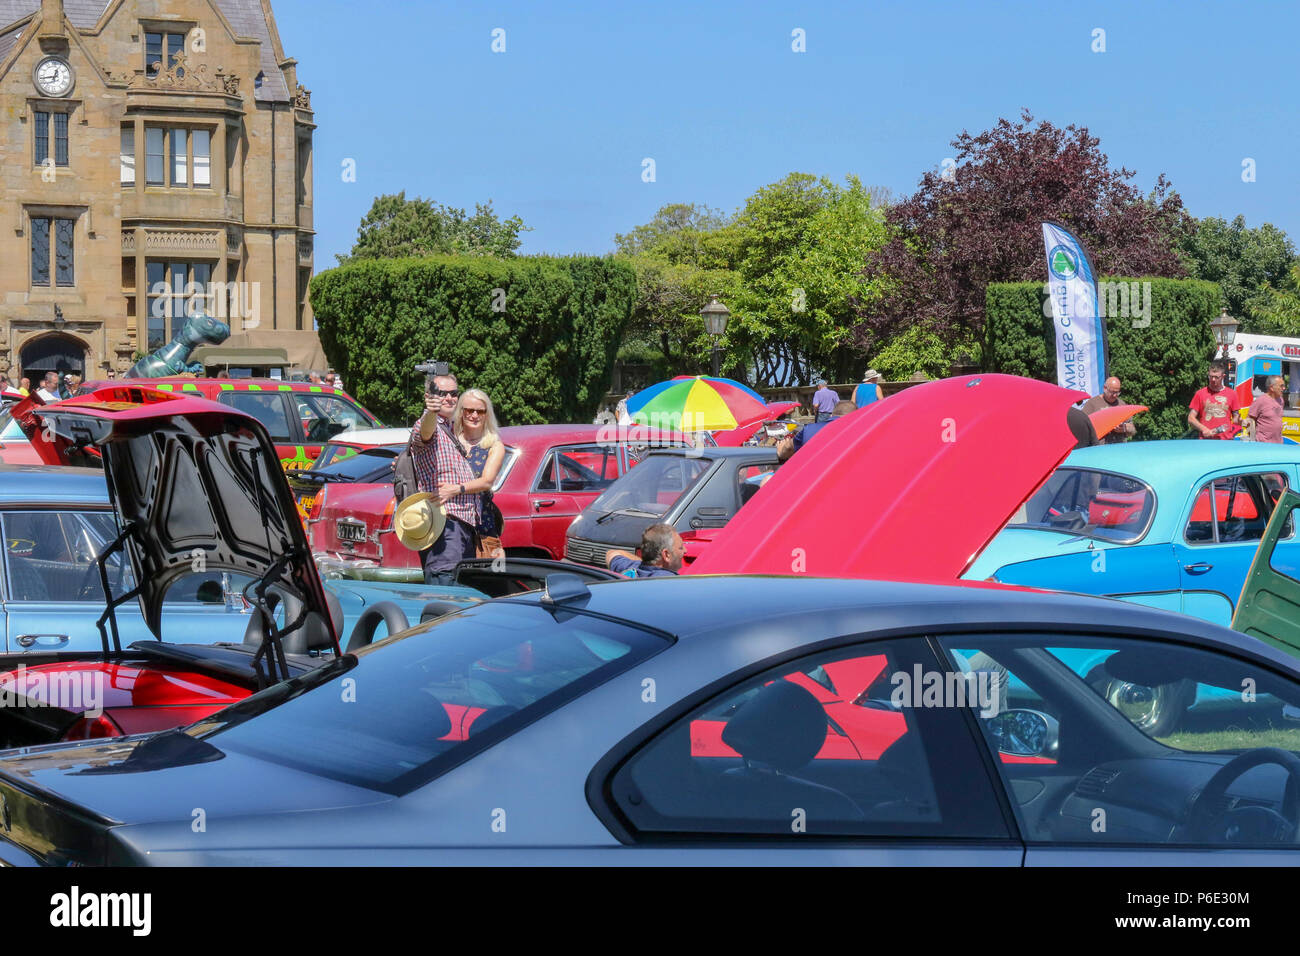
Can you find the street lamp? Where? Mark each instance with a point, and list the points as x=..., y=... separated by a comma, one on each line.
x=1225, y=330
x=715, y=316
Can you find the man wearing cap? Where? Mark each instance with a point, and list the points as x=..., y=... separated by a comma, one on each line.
x=869, y=390
x=824, y=400
x=442, y=473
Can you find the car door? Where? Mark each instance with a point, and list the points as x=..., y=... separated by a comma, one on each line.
x=273, y=410
x=324, y=416
x=1224, y=522
x=818, y=754
x=1269, y=608
x=53, y=594
x=1093, y=779
x=570, y=478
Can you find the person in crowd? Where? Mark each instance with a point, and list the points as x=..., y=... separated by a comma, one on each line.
x=474, y=424
x=25, y=386
x=824, y=400
x=662, y=552
x=313, y=378
x=49, y=390
x=869, y=390
x=786, y=447
x=1109, y=398
x=1214, y=409
x=1265, y=413
x=442, y=470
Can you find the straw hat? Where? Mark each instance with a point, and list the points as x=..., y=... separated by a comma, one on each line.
x=419, y=520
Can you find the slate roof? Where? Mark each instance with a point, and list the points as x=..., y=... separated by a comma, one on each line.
x=245, y=18
x=7, y=41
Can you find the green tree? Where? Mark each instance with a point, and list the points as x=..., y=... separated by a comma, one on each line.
x=1249, y=265
x=1276, y=311
x=397, y=227
x=801, y=245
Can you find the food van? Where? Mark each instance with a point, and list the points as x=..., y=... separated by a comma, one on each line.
x=1255, y=358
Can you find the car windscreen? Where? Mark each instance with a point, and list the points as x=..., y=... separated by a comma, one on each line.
x=406, y=709
x=1090, y=503
x=653, y=486
x=359, y=466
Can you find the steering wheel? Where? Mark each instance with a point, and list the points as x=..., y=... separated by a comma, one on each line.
x=1247, y=824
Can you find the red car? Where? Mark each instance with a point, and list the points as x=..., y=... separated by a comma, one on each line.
x=550, y=473
x=300, y=417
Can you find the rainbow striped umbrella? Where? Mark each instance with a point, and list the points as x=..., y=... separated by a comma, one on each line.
x=698, y=403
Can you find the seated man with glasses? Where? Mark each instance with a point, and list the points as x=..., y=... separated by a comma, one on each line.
x=439, y=464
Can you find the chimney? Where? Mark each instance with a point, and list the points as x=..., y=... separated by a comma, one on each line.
x=51, y=20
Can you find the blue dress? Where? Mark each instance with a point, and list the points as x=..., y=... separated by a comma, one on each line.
x=487, y=523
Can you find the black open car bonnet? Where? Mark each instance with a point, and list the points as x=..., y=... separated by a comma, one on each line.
x=197, y=488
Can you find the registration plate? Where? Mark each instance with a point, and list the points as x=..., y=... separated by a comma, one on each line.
x=349, y=529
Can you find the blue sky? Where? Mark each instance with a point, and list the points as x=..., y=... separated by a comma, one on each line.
x=556, y=128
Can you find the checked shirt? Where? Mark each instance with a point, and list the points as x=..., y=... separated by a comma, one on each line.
x=438, y=462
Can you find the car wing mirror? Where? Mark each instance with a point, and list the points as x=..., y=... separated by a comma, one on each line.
x=1024, y=733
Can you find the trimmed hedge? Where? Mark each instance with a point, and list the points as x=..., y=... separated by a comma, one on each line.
x=1160, y=365
x=544, y=354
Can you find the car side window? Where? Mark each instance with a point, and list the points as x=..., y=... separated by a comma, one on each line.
x=1087, y=735
x=1234, y=508
x=267, y=408
x=50, y=556
x=324, y=416
x=822, y=746
x=579, y=468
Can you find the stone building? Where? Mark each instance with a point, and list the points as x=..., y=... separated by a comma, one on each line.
x=156, y=160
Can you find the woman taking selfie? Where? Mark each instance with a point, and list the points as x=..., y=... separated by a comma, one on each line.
x=474, y=424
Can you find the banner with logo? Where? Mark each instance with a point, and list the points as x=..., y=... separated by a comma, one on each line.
x=1080, y=334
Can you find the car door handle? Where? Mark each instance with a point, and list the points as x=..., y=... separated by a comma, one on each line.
x=543, y=503
x=46, y=640
x=1199, y=568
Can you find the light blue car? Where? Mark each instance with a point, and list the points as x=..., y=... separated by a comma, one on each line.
x=56, y=520
x=1168, y=524
x=1138, y=521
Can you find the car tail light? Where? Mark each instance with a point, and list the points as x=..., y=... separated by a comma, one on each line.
x=386, y=523
x=93, y=728
x=318, y=504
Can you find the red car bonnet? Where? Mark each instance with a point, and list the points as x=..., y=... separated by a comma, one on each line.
x=911, y=488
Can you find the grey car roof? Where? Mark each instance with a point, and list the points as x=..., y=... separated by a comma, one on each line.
x=52, y=483
x=692, y=605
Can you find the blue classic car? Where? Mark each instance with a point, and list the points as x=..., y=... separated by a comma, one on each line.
x=1168, y=524
x=56, y=521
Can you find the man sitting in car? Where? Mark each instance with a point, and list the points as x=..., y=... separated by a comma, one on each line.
x=661, y=554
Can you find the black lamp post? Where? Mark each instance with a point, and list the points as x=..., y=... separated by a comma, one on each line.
x=715, y=316
x=1225, y=330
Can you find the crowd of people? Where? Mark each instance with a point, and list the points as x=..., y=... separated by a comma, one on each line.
x=457, y=452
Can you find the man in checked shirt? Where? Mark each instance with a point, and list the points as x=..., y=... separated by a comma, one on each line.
x=443, y=471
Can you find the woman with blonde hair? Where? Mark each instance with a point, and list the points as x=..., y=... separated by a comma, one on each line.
x=474, y=423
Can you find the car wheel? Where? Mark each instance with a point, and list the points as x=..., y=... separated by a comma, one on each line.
x=1155, y=711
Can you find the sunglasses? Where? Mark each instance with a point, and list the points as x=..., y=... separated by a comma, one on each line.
x=475, y=411
x=441, y=394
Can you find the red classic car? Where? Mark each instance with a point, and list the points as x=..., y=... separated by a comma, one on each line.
x=550, y=473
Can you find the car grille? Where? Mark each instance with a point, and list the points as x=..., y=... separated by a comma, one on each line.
x=585, y=552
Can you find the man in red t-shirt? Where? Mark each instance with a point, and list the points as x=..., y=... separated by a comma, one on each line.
x=1214, y=408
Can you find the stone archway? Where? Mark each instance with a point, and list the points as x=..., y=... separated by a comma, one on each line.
x=53, y=352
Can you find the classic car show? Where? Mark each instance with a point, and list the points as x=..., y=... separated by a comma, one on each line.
x=709, y=443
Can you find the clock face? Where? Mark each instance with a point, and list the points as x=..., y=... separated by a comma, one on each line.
x=53, y=76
